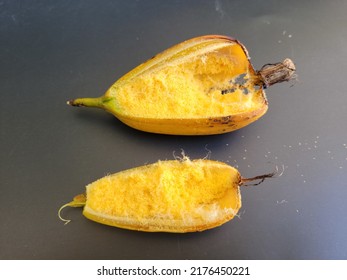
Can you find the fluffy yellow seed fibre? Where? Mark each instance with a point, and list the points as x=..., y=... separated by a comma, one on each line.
x=166, y=195
x=192, y=88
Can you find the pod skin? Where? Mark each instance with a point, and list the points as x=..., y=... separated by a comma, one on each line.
x=167, y=196
x=205, y=85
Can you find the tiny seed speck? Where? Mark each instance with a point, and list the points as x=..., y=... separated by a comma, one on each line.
x=340, y=167
x=244, y=158
x=258, y=136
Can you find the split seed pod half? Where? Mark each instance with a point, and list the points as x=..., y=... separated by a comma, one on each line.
x=205, y=85
x=167, y=196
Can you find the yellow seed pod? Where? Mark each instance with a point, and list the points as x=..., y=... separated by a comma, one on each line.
x=167, y=196
x=205, y=85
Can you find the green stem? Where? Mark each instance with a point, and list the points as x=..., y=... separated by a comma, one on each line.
x=88, y=102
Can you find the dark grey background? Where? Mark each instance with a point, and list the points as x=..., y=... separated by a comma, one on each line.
x=53, y=51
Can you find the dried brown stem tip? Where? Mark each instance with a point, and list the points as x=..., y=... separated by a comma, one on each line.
x=279, y=72
x=261, y=178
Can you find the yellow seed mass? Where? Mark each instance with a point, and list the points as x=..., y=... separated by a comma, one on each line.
x=191, y=88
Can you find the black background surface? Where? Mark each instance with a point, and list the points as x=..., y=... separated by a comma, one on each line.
x=53, y=51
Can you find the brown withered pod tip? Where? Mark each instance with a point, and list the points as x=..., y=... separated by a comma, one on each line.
x=274, y=73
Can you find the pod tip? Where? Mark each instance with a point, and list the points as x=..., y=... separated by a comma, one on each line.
x=73, y=103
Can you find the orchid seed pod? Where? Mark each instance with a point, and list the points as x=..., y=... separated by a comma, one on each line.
x=202, y=86
x=167, y=196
